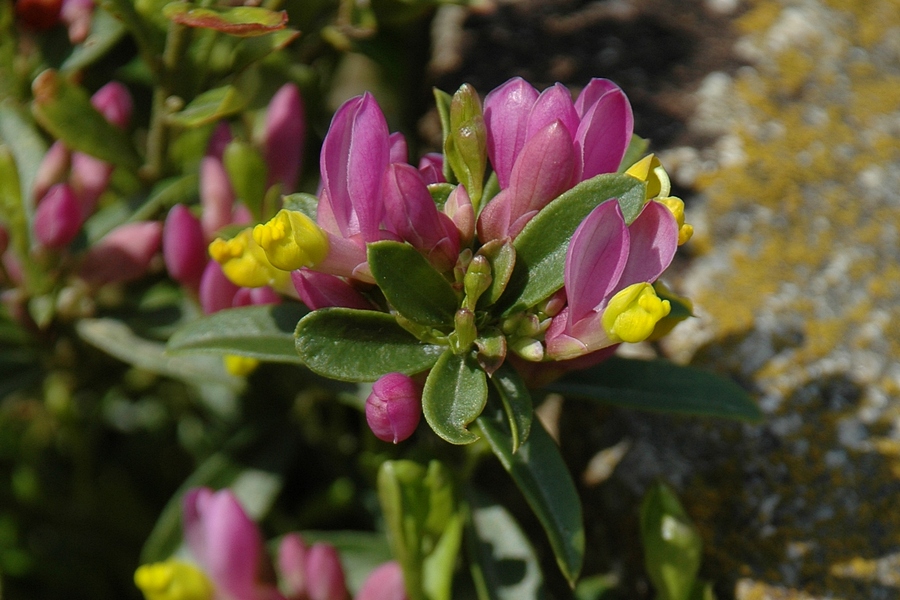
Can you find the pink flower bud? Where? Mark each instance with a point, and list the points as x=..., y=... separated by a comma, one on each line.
x=219, y=140
x=184, y=248
x=399, y=149
x=324, y=574
x=460, y=210
x=284, y=137
x=53, y=169
x=216, y=290
x=431, y=168
x=216, y=196
x=113, y=100
x=394, y=407
x=255, y=297
x=76, y=14
x=292, y=554
x=321, y=290
x=384, y=583
x=57, y=219
x=89, y=178
x=124, y=254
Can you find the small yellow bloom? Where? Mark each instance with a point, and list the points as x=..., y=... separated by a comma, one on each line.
x=173, y=580
x=676, y=207
x=681, y=309
x=240, y=366
x=291, y=240
x=244, y=262
x=633, y=313
x=650, y=170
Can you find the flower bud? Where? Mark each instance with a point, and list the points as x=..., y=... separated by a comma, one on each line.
x=284, y=137
x=633, y=313
x=460, y=210
x=89, y=178
x=324, y=574
x=124, y=254
x=113, y=100
x=76, y=14
x=216, y=290
x=255, y=297
x=384, y=583
x=53, y=169
x=394, y=407
x=216, y=196
x=57, y=219
x=431, y=168
x=292, y=553
x=183, y=247
x=321, y=290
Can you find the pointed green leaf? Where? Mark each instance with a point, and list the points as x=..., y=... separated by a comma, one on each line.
x=243, y=21
x=250, y=50
x=672, y=545
x=19, y=133
x=455, y=394
x=65, y=110
x=542, y=245
x=210, y=106
x=411, y=284
x=543, y=478
x=516, y=400
x=263, y=332
x=662, y=386
x=505, y=566
x=247, y=172
x=360, y=345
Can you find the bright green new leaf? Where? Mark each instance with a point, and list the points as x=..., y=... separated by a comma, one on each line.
x=262, y=332
x=516, y=401
x=242, y=21
x=543, y=478
x=210, y=106
x=662, y=386
x=505, y=566
x=542, y=245
x=672, y=545
x=65, y=110
x=247, y=172
x=411, y=284
x=360, y=345
x=455, y=394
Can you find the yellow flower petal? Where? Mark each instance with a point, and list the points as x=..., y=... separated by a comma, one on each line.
x=291, y=240
x=173, y=580
x=633, y=313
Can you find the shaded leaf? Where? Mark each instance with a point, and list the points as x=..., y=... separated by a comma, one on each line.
x=659, y=385
x=65, y=110
x=243, y=21
x=360, y=345
x=672, y=545
x=262, y=332
x=210, y=106
x=543, y=478
x=516, y=401
x=455, y=394
x=106, y=32
x=412, y=286
x=18, y=132
x=542, y=245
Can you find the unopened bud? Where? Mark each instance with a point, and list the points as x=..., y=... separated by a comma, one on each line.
x=113, y=100
x=184, y=249
x=394, y=407
x=216, y=290
x=477, y=280
x=216, y=196
x=465, y=332
x=124, y=254
x=255, y=297
x=76, y=14
x=53, y=169
x=89, y=178
x=292, y=553
x=324, y=575
x=384, y=583
x=284, y=137
x=57, y=219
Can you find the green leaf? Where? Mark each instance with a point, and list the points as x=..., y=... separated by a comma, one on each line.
x=263, y=332
x=411, y=284
x=210, y=106
x=360, y=345
x=505, y=566
x=117, y=339
x=253, y=49
x=516, y=400
x=247, y=172
x=672, y=545
x=442, y=101
x=65, y=110
x=662, y=386
x=106, y=32
x=12, y=206
x=455, y=394
x=543, y=478
x=242, y=21
x=465, y=146
x=19, y=133
x=542, y=245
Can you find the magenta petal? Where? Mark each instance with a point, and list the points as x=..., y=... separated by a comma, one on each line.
x=654, y=240
x=554, y=104
x=89, y=177
x=219, y=140
x=57, y=219
x=494, y=219
x=506, y=111
x=123, y=254
x=324, y=574
x=217, y=292
x=284, y=137
x=431, y=167
x=604, y=135
x=113, y=101
x=216, y=196
x=384, y=583
x=410, y=211
x=53, y=169
x=321, y=290
x=184, y=248
x=596, y=258
x=399, y=152
x=593, y=91
x=292, y=553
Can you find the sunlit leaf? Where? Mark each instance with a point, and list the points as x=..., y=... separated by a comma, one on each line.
x=455, y=394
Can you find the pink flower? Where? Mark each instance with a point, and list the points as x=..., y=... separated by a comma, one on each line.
x=113, y=100
x=58, y=217
x=284, y=137
x=321, y=290
x=384, y=583
x=324, y=574
x=540, y=145
x=124, y=254
x=394, y=407
x=216, y=290
x=228, y=546
x=608, y=271
x=184, y=248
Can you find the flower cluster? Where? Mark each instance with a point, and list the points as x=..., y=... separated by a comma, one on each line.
x=546, y=151
x=228, y=561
